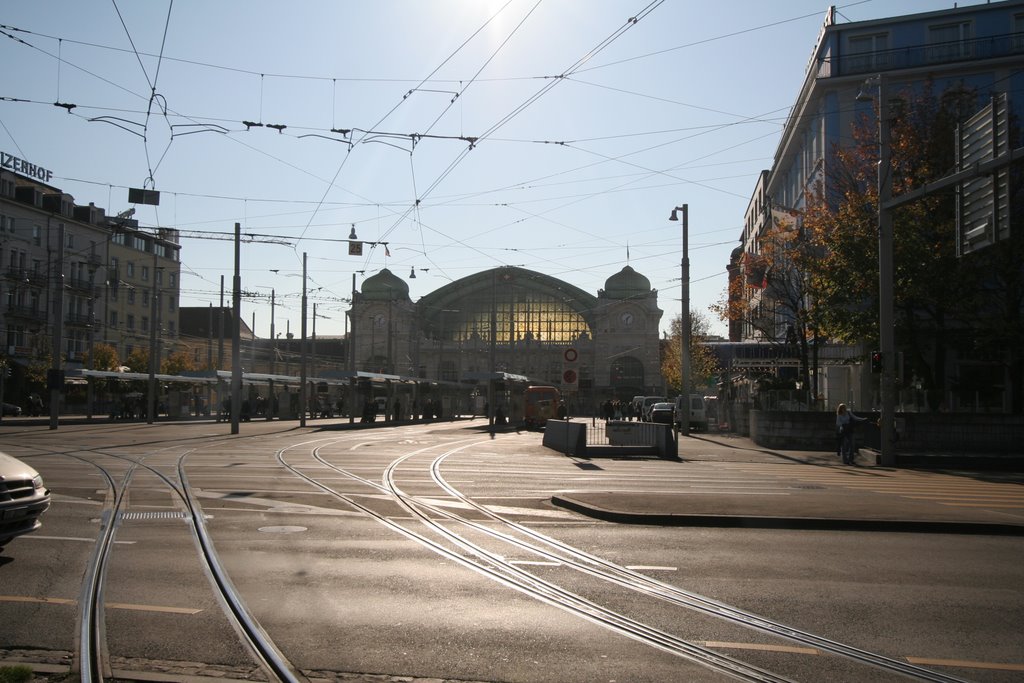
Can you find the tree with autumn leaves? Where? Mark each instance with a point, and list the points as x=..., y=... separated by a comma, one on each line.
x=774, y=295
x=703, y=363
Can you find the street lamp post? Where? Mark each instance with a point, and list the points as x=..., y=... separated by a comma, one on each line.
x=302, y=350
x=684, y=332
x=886, y=316
x=236, y=329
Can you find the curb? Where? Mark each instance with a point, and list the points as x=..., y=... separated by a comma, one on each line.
x=786, y=522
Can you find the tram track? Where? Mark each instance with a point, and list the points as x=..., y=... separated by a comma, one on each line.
x=480, y=560
x=449, y=522
x=550, y=549
x=92, y=658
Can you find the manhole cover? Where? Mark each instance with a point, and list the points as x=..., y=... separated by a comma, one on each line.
x=814, y=487
x=282, y=529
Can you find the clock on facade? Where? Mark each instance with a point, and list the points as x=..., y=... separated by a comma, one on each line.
x=627, y=319
x=379, y=321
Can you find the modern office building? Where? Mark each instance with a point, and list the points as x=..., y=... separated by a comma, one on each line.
x=979, y=46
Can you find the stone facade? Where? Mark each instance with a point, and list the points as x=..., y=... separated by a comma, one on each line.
x=516, y=321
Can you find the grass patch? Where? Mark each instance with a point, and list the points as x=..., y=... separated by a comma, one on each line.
x=19, y=673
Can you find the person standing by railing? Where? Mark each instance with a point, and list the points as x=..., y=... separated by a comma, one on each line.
x=845, y=422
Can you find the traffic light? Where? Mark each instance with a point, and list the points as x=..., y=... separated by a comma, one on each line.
x=876, y=362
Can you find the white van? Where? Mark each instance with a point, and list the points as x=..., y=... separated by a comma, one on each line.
x=698, y=415
x=645, y=407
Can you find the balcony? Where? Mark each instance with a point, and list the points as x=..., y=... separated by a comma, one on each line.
x=991, y=47
x=79, y=319
x=26, y=311
x=80, y=284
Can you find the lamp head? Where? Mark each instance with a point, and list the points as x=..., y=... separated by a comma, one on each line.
x=674, y=216
x=412, y=273
x=868, y=88
x=352, y=235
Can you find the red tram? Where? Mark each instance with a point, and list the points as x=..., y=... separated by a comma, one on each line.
x=540, y=404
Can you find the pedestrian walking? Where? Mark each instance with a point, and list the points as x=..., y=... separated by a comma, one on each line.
x=845, y=422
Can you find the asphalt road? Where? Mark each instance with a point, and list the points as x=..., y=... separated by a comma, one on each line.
x=435, y=552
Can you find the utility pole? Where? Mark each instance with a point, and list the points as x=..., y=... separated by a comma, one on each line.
x=271, y=399
x=352, y=354
x=302, y=350
x=236, y=358
x=153, y=359
x=55, y=377
x=886, y=316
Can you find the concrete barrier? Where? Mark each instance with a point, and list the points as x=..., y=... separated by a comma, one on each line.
x=566, y=437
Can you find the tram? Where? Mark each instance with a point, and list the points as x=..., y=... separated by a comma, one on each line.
x=540, y=404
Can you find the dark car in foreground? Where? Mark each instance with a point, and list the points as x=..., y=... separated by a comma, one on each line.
x=23, y=499
x=11, y=409
x=663, y=412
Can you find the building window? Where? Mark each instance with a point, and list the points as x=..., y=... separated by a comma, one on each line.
x=159, y=276
x=1018, y=34
x=145, y=324
x=130, y=322
x=145, y=273
x=145, y=297
x=113, y=319
x=118, y=238
x=522, y=315
x=37, y=235
x=868, y=53
x=949, y=42
x=129, y=269
x=69, y=240
x=174, y=280
x=131, y=297
x=170, y=303
x=171, y=328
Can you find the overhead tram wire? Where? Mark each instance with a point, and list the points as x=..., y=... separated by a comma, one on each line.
x=309, y=77
x=536, y=96
x=555, y=80
x=399, y=104
x=257, y=150
x=451, y=103
x=721, y=37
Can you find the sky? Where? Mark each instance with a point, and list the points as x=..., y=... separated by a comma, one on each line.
x=452, y=136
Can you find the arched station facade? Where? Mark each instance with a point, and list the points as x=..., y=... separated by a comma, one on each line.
x=515, y=321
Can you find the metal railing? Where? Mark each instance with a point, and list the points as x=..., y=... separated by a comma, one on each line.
x=992, y=47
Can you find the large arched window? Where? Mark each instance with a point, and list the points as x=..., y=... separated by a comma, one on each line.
x=525, y=306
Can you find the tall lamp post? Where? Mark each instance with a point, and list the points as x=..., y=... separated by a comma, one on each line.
x=302, y=350
x=886, y=317
x=684, y=332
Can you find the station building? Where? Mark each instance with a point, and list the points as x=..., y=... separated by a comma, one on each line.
x=515, y=321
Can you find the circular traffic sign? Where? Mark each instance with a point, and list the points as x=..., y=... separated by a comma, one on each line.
x=569, y=377
x=570, y=355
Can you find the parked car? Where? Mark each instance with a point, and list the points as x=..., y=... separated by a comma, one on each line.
x=645, y=407
x=23, y=499
x=11, y=409
x=664, y=413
